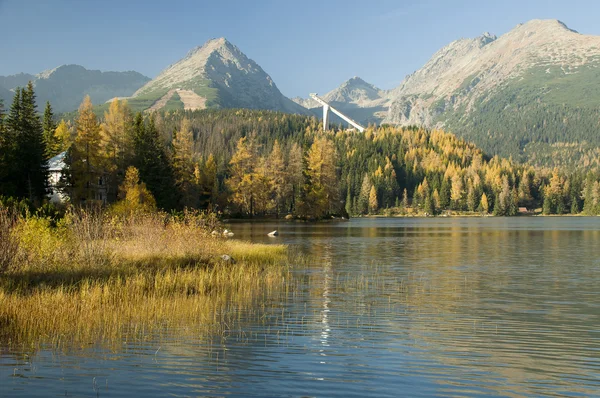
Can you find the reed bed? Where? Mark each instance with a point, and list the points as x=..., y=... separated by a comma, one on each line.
x=93, y=278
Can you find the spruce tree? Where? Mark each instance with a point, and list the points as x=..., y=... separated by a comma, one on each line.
x=5, y=148
x=8, y=146
x=31, y=168
x=50, y=138
x=151, y=159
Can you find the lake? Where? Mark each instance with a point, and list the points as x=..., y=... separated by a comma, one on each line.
x=381, y=307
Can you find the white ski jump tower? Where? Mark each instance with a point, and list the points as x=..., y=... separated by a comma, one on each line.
x=327, y=108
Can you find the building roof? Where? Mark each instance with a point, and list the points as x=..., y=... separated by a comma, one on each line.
x=57, y=163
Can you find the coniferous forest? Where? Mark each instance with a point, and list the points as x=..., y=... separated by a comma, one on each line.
x=249, y=163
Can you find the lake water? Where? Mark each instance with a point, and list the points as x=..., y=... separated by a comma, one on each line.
x=385, y=307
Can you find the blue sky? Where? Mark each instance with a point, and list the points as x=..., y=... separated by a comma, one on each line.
x=306, y=46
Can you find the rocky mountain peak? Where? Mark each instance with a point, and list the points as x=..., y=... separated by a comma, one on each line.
x=217, y=73
x=486, y=38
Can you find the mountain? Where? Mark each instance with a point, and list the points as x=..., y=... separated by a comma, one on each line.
x=66, y=86
x=358, y=99
x=215, y=75
x=6, y=96
x=530, y=93
x=533, y=92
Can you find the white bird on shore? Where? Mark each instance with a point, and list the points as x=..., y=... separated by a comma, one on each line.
x=273, y=234
x=227, y=233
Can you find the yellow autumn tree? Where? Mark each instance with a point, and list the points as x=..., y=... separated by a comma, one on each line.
x=135, y=196
x=117, y=141
x=247, y=185
x=184, y=165
x=373, y=205
x=63, y=136
x=87, y=163
x=484, y=206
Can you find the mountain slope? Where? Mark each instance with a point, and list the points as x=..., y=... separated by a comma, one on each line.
x=215, y=75
x=66, y=86
x=539, y=83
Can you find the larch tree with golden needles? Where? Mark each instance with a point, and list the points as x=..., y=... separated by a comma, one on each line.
x=63, y=136
x=295, y=174
x=87, y=163
x=184, y=165
x=244, y=180
x=373, y=204
x=322, y=197
x=277, y=176
x=117, y=142
x=135, y=197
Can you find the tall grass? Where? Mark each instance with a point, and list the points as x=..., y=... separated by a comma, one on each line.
x=94, y=277
x=9, y=244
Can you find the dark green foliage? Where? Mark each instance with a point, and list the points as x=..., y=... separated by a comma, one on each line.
x=25, y=173
x=49, y=126
x=152, y=161
x=554, y=126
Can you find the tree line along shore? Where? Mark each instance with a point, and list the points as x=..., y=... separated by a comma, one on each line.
x=246, y=163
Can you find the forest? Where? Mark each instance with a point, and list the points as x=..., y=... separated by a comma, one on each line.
x=252, y=163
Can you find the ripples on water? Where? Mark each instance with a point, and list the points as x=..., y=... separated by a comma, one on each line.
x=388, y=307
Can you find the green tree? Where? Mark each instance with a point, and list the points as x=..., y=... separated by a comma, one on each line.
x=153, y=163
x=51, y=142
x=27, y=175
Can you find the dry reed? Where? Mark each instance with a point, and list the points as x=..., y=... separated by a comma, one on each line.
x=96, y=278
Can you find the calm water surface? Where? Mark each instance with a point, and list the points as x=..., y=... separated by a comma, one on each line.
x=386, y=307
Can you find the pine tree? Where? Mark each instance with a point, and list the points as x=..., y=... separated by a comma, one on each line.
x=547, y=207
x=429, y=206
x=348, y=204
x=152, y=161
x=405, y=200
x=6, y=155
x=209, y=189
x=445, y=194
x=50, y=138
x=30, y=167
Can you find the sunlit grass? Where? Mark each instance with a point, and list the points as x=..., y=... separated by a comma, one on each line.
x=93, y=279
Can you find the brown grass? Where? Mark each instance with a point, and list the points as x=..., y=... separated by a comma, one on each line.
x=100, y=279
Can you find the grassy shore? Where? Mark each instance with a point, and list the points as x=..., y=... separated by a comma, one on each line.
x=93, y=278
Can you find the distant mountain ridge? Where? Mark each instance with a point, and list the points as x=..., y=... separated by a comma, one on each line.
x=67, y=85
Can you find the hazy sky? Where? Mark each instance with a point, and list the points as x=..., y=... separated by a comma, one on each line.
x=306, y=46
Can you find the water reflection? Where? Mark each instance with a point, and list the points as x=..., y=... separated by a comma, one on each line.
x=452, y=307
